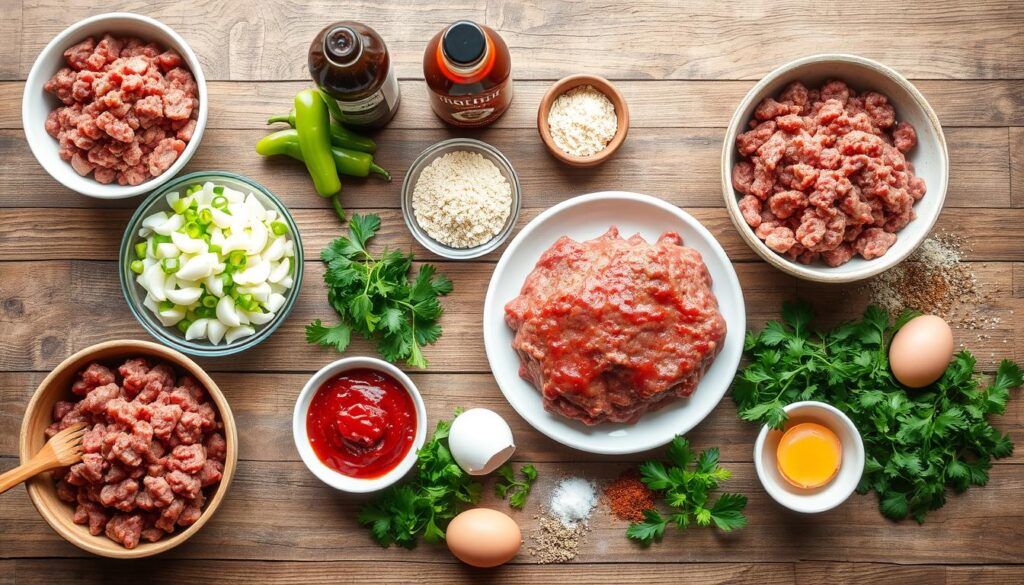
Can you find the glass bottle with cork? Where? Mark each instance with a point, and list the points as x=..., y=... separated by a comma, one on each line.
x=350, y=63
x=468, y=68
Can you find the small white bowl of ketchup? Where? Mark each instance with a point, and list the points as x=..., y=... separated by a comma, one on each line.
x=358, y=423
x=815, y=462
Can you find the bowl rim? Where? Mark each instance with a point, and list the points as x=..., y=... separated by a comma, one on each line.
x=772, y=487
x=824, y=273
x=133, y=347
x=90, y=187
x=335, y=479
x=163, y=334
x=437, y=247
x=605, y=87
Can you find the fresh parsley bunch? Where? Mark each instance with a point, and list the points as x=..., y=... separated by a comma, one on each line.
x=516, y=490
x=686, y=483
x=374, y=298
x=917, y=442
x=425, y=505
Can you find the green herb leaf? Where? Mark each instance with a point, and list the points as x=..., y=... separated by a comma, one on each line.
x=516, y=490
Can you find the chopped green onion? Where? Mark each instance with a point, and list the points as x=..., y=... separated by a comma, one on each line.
x=169, y=265
x=194, y=189
x=191, y=316
x=161, y=239
x=137, y=266
x=205, y=216
x=181, y=205
x=225, y=277
x=279, y=228
x=183, y=325
x=165, y=305
x=140, y=249
x=209, y=301
x=220, y=201
x=215, y=248
x=219, y=190
x=193, y=229
x=190, y=215
x=237, y=259
x=246, y=301
x=206, y=312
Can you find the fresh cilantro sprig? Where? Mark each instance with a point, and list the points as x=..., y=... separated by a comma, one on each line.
x=374, y=298
x=426, y=504
x=516, y=490
x=685, y=483
x=917, y=443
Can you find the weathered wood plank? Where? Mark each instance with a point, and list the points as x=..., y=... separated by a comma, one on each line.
x=269, y=40
x=299, y=518
x=681, y=165
x=86, y=571
x=880, y=574
x=10, y=42
x=666, y=104
x=54, y=308
x=262, y=405
x=1017, y=167
x=29, y=233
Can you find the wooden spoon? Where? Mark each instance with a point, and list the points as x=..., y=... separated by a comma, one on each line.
x=63, y=449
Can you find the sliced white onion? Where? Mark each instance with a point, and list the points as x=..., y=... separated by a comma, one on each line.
x=276, y=288
x=287, y=282
x=173, y=224
x=279, y=271
x=256, y=209
x=215, y=331
x=171, y=316
x=260, y=292
x=149, y=302
x=172, y=198
x=183, y=296
x=238, y=240
x=157, y=219
x=220, y=219
x=257, y=238
x=227, y=313
x=289, y=248
x=275, y=302
x=215, y=285
x=243, y=319
x=233, y=196
x=217, y=237
x=188, y=245
x=257, y=318
x=236, y=333
x=153, y=280
x=254, y=274
x=167, y=250
x=275, y=250
x=198, y=267
x=271, y=215
x=197, y=330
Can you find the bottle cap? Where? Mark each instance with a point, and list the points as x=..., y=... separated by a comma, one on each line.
x=342, y=45
x=464, y=43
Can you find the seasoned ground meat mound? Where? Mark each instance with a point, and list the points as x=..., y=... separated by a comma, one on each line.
x=611, y=328
x=823, y=174
x=153, y=445
x=129, y=109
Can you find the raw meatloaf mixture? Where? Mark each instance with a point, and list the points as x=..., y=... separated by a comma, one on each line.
x=129, y=108
x=611, y=328
x=153, y=445
x=824, y=174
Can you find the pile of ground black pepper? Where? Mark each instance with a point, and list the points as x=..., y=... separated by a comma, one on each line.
x=934, y=280
x=554, y=542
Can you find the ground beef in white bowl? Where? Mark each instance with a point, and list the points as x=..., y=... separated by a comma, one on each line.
x=154, y=444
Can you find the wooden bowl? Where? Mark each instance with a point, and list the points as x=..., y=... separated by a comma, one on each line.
x=38, y=415
x=930, y=158
x=600, y=84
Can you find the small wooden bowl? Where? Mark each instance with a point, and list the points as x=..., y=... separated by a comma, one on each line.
x=38, y=415
x=600, y=84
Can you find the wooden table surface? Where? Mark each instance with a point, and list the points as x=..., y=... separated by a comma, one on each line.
x=683, y=66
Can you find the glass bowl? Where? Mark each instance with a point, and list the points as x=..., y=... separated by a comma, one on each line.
x=428, y=156
x=135, y=294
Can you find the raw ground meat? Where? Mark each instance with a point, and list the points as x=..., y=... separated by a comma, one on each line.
x=823, y=173
x=154, y=443
x=115, y=91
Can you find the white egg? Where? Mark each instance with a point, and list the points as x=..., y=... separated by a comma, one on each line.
x=197, y=330
x=215, y=331
x=236, y=333
x=226, y=312
x=480, y=441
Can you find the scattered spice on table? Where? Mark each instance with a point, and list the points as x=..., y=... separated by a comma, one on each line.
x=572, y=501
x=461, y=199
x=554, y=542
x=935, y=280
x=628, y=497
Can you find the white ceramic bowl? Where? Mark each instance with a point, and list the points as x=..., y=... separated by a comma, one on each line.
x=930, y=157
x=36, y=104
x=828, y=496
x=329, y=476
x=587, y=217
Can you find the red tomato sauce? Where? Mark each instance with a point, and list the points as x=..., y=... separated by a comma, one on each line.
x=361, y=423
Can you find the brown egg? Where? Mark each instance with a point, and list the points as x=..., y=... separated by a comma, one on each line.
x=921, y=351
x=482, y=537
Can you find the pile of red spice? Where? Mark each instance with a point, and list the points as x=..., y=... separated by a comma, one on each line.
x=628, y=497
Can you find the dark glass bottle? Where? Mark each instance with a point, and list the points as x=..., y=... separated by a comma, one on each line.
x=468, y=71
x=350, y=63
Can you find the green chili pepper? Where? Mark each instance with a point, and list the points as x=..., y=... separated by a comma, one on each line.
x=347, y=162
x=340, y=136
x=313, y=125
x=338, y=209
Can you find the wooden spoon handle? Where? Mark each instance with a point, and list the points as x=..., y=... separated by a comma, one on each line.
x=35, y=466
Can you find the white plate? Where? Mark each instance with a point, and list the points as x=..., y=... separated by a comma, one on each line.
x=584, y=218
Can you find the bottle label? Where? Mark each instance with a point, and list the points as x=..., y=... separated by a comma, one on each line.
x=372, y=107
x=475, y=110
